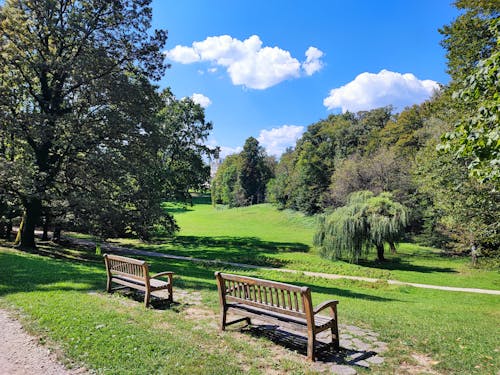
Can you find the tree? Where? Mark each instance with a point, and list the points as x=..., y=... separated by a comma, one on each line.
x=366, y=221
x=226, y=186
x=69, y=72
x=381, y=171
x=255, y=172
x=476, y=137
x=182, y=131
x=468, y=39
x=461, y=210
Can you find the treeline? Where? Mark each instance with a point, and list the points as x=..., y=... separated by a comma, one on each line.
x=86, y=140
x=439, y=159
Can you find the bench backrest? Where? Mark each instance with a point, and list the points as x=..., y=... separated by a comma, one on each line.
x=129, y=267
x=278, y=297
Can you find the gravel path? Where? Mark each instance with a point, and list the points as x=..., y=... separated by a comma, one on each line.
x=22, y=354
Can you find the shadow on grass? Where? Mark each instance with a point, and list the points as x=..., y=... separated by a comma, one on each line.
x=241, y=243
x=399, y=264
x=27, y=273
x=298, y=343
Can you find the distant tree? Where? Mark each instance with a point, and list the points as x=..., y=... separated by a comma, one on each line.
x=381, y=171
x=277, y=190
x=255, y=172
x=226, y=186
x=366, y=221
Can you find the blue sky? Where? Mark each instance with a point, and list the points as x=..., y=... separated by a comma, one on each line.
x=268, y=69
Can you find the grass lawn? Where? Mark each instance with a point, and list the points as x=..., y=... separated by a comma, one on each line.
x=62, y=300
x=262, y=235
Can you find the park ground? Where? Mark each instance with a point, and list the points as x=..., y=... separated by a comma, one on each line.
x=58, y=296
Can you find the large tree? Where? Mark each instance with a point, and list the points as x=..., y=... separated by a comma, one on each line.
x=69, y=71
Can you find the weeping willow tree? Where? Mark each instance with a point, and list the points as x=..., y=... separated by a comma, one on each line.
x=367, y=221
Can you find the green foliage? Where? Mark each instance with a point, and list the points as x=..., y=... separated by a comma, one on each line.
x=468, y=38
x=74, y=87
x=254, y=173
x=476, y=137
x=85, y=140
x=310, y=166
x=181, y=133
x=463, y=210
x=381, y=171
x=226, y=186
x=365, y=221
x=241, y=179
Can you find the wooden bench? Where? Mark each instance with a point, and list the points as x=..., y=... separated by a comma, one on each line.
x=276, y=302
x=134, y=273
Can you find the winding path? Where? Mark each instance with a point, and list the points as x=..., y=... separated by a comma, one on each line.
x=124, y=250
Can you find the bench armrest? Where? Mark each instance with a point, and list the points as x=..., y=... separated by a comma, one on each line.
x=167, y=273
x=327, y=304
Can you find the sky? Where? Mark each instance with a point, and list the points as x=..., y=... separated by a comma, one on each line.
x=268, y=69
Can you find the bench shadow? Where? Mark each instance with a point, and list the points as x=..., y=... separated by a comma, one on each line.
x=324, y=351
x=156, y=302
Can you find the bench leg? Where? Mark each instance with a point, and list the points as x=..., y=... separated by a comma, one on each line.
x=223, y=319
x=310, y=345
x=335, y=332
x=108, y=285
x=147, y=296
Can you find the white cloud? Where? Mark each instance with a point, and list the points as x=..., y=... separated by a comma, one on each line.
x=184, y=55
x=247, y=62
x=226, y=151
x=201, y=100
x=369, y=91
x=313, y=61
x=276, y=140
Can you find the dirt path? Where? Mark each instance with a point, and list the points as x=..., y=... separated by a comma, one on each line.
x=22, y=354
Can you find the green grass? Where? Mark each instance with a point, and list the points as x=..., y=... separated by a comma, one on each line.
x=63, y=301
x=262, y=235
x=61, y=298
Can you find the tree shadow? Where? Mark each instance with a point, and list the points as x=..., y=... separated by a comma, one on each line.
x=249, y=250
x=243, y=243
x=26, y=274
x=201, y=276
x=400, y=264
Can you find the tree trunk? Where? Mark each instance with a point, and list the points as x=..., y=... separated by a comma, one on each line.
x=9, y=230
x=45, y=235
x=380, y=253
x=17, y=241
x=33, y=212
x=56, y=237
x=392, y=246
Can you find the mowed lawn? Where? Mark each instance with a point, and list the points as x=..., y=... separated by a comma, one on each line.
x=262, y=235
x=64, y=303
